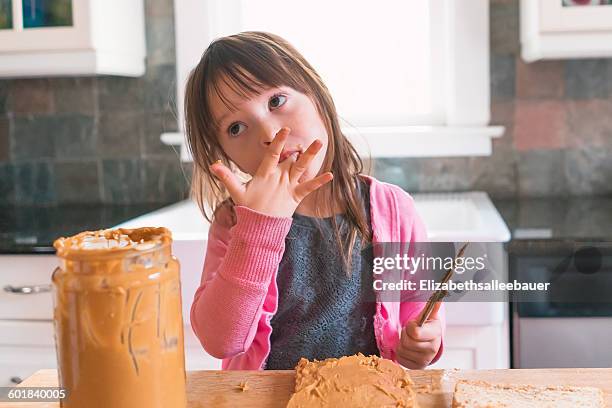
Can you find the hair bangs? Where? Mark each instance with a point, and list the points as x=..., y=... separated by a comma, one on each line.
x=247, y=70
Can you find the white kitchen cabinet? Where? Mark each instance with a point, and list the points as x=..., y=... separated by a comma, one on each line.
x=551, y=29
x=18, y=363
x=72, y=37
x=25, y=347
x=25, y=287
x=475, y=347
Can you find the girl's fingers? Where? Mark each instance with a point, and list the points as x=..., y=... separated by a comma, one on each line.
x=410, y=344
x=416, y=349
x=272, y=156
x=408, y=363
x=229, y=180
x=431, y=330
x=421, y=360
x=299, y=167
x=307, y=187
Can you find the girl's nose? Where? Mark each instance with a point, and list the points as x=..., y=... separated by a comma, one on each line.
x=268, y=132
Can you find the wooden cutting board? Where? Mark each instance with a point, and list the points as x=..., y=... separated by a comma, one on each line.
x=273, y=388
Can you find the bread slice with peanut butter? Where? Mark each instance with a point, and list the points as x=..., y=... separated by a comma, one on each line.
x=353, y=381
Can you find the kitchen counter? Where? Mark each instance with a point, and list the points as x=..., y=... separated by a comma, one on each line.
x=576, y=218
x=31, y=230
x=273, y=388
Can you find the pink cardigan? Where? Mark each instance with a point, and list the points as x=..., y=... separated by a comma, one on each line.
x=238, y=296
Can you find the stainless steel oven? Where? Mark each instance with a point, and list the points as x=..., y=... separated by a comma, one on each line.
x=570, y=325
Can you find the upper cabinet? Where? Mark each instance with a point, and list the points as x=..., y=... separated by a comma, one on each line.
x=559, y=29
x=71, y=37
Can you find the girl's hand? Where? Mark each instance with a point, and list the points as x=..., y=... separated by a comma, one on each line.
x=275, y=189
x=419, y=345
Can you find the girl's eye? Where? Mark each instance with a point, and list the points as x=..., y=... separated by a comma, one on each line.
x=277, y=101
x=236, y=128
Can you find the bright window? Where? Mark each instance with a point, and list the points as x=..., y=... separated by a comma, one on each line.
x=375, y=60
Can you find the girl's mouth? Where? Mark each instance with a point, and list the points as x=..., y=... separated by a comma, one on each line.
x=288, y=152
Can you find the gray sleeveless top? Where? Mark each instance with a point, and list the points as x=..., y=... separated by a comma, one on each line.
x=322, y=311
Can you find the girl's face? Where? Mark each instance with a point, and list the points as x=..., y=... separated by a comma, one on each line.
x=245, y=134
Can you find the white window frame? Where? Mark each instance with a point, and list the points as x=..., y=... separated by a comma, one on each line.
x=462, y=76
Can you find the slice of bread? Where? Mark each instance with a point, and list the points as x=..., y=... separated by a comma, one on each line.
x=480, y=394
x=353, y=381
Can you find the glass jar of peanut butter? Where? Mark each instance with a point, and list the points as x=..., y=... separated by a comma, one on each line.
x=118, y=323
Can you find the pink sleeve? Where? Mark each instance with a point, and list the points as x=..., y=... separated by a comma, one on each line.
x=238, y=267
x=411, y=310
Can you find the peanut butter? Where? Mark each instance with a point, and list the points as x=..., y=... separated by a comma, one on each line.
x=118, y=323
x=354, y=381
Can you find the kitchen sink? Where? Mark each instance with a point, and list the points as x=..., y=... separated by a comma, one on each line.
x=469, y=216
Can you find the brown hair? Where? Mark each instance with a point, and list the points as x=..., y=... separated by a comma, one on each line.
x=249, y=62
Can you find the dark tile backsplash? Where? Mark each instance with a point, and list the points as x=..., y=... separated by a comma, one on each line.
x=588, y=79
x=7, y=182
x=95, y=139
x=34, y=182
x=503, y=77
x=75, y=95
x=123, y=181
x=77, y=181
x=588, y=170
x=4, y=139
x=119, y=133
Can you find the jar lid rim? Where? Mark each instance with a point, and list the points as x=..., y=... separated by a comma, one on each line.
x=113, y=242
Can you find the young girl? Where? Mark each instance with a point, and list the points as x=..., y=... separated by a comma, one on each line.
x=288, y=268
